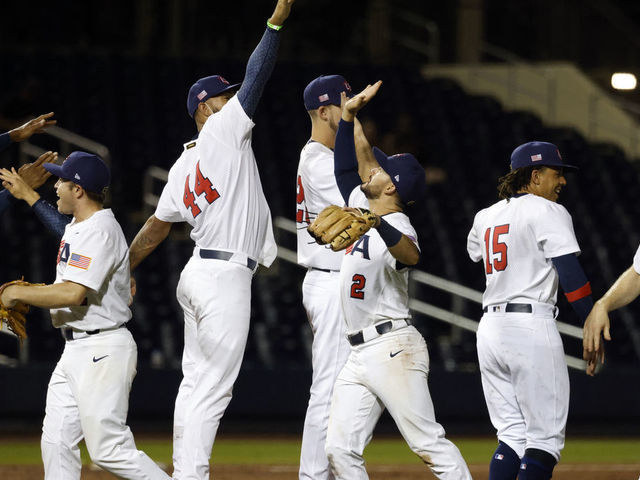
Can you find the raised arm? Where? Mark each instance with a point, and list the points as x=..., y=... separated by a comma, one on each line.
x=5, y=196
x=24, y=132
x=366, y=159
x=152, y=233
x=21, y=184
x=263, y=59
x=346, y=166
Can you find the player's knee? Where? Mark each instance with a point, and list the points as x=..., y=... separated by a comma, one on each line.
x=341, y=459
x=537, y=465
x=541, y=456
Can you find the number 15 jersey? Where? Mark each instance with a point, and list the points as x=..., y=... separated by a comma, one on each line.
x=516, y=241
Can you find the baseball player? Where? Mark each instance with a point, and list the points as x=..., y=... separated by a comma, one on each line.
x=317, y=189
x=527, y=244
x=88, y=394
x=625, y=290
x=388, y=363
x=215, y=187
x=33, y=175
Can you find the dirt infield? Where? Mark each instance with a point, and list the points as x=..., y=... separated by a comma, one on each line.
x=376, y=472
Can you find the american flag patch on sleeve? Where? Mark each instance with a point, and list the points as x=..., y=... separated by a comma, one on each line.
x=79, y=261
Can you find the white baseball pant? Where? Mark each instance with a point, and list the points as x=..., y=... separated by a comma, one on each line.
x=321, y=300
x=525, y=378
x=373, y=379
x=215, y=296
x=88, y=397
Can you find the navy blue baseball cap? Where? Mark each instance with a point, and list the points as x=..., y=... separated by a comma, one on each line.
x=406, y=174
x=325, y=90
x=84, y=169
x=532, y=154
x=205, y=88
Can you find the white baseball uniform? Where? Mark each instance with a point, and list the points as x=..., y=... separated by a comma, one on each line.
x=524, y=372
x=88, y=395
x=390, y=365
x=316, y=189
x=215, y=187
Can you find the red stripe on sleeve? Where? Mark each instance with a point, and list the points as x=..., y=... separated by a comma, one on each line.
x=582, y=292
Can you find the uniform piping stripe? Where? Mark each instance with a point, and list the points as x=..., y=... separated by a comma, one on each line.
x=582, y=292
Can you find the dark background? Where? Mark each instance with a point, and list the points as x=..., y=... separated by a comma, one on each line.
x=118, y=72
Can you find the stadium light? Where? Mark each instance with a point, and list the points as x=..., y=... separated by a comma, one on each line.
x=623, y=81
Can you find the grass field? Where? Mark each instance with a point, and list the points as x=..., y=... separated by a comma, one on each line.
x=388, y=450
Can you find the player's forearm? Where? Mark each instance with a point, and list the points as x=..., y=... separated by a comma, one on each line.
x=259, y=68
x=5, y=196
x=399, y=245
x=152, y=233
x=345, y=160
x=57, y=295
x=5, y=140
x=366, y=159
x=50, y=217
x=622, y=292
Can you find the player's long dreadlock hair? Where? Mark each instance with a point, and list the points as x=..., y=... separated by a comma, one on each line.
x=515, y=180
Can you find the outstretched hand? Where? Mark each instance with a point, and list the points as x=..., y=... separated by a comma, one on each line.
x=16, y=185
x=281, y=12
x=352, y=106
x=34, y=173
x=595, y=327
x=36, y=125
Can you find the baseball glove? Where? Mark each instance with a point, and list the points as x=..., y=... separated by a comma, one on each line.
x=340, y=228
x=14, y=316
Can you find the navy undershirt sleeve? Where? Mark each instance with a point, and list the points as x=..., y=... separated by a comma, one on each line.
x=51, y=217
x=572, y=278
x=5, y=140
x=259, y=68
x=4, y=200
x=345, y=161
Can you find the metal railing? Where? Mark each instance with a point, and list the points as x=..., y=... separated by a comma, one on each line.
x=445, y=285
x=424, y=278
x=67, y=142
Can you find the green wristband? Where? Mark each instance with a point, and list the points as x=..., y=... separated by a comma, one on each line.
x=273, y=27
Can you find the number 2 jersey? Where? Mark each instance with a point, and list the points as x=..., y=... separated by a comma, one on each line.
x=373, y=288
x=516, y=241
x=215, y=187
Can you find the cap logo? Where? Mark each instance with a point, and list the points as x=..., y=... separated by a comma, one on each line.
x=347, y=86
x=76, y=176
x=559, y=156
x=223, y=80
x=202, y=94
x=536, y=158
x=323, y=98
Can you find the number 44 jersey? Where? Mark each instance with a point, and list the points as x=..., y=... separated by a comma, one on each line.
x=215, y=187
x=516, y=240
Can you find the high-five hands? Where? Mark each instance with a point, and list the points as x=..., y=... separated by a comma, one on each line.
x=352, y=106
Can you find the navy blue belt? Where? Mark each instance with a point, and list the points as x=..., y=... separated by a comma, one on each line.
x=511, y=308
x=381, y=328
x=71, y=334
x=220, y=255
